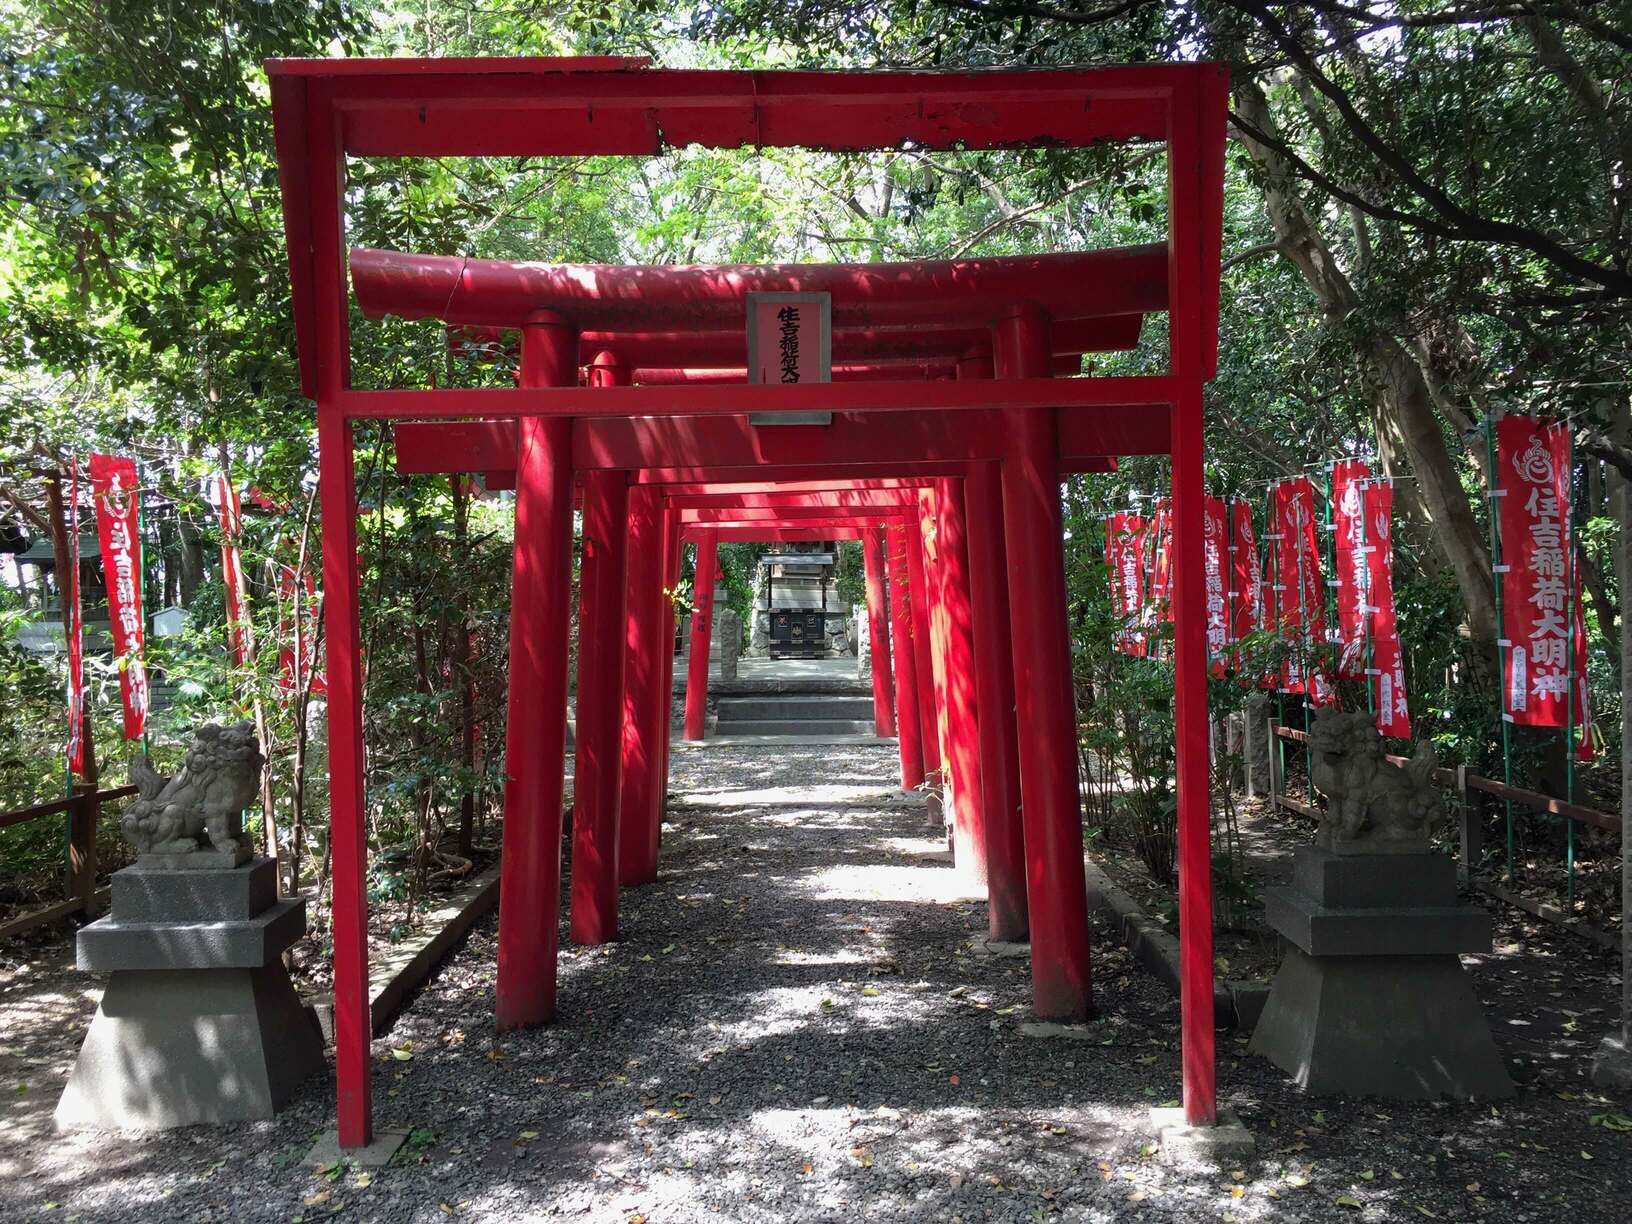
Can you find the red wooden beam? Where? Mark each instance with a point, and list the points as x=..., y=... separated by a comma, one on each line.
x=729, y=347
x=968, y=292
x=721, y=442
x=765, y=535
x=528, y=107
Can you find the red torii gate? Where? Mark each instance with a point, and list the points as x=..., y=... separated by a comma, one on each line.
x=327, y=110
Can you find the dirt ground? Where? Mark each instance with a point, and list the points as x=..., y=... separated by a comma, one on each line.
x=795, y=1025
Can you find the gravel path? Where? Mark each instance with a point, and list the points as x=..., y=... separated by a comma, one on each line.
x=795, y=1027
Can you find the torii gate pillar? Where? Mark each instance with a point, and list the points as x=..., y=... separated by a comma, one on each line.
x=638, y=815
x=905, y=659
x=878, y=632
x=702, y=628
x=536, y=724
x=1044, y=705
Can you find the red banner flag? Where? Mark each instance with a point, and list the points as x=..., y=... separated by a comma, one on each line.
x=232, y=568
x=76, y=632
x=1246, y=574
x=1124, y=553
x=1354, y=545
x=1161, y=573
x=296, y=635
x=1532, y=485
x=1214, y=541
x=115, y=493
x=1300, y=599
x=1387, y=659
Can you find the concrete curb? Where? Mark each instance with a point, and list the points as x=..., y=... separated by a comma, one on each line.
x=403, y=968
x=1236, y=1005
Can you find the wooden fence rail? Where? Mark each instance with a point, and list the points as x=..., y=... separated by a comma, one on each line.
x=84, y=811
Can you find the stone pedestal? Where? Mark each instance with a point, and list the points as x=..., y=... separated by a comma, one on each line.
x=199, y=1022
x=1371, y=999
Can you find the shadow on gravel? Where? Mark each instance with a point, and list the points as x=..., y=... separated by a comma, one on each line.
x=794, y=1026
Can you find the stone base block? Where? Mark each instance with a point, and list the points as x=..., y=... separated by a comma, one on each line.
x=186, y=1046
x=1225, y=1142
x=327, y=1150
x=1612, y=1066
x=221, y=895
x=1400, y=1027
x=109, y=945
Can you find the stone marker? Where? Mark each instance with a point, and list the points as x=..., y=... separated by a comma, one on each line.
x=199, y=1022
x=1371, y=998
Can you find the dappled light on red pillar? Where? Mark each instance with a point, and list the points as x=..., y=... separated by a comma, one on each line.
x=904, y=658
x=962, y=719
x=599, y=728
x=929, y=719
x=994, y=676
x=638, y=810
x=702, y=627
x=673, y=537
x=878, y=633
x=536, y=722
x=1045, y=709
x=348, y=843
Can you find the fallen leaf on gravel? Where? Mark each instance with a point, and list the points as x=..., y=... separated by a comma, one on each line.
x=315, y=1200
x=444, y=1209
x=1237, y=1191
x=363, y=1181
x=1297, y=1179
x=864, y=1155
x=1347, y=1200
x=528, y=1136
x=870, y=991
x=1367, y=1175
x=1145, y=1060
x=403, y=1052
x=1426, y=1212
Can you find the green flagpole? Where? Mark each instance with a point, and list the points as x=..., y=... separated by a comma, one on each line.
x=1570, y=598
x=1501, y=631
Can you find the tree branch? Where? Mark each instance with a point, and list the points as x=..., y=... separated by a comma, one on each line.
x=1462, y=223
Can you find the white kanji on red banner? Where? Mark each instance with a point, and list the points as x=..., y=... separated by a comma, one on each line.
x=115, y=493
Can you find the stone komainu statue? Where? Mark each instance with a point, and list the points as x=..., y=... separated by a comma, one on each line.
x=220, y=777
x=1372, y=803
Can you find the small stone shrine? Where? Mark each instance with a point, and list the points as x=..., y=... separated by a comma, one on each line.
x=199, y=1022
x=1371, y=998
x=797, y=612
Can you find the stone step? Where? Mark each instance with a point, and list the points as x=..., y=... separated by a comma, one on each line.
x=795, y=706
x=809, y=726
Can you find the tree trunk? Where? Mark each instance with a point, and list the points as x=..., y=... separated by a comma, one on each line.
x=1404, y=405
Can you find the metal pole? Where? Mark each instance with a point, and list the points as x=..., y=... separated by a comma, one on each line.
x=1567, y=517
x=1497, y=569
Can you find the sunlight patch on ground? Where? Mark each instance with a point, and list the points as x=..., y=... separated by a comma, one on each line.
x=806, y=795
x=877, y=883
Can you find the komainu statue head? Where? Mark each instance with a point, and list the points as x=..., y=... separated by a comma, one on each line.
x=200, y=806
x=1373, y=805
